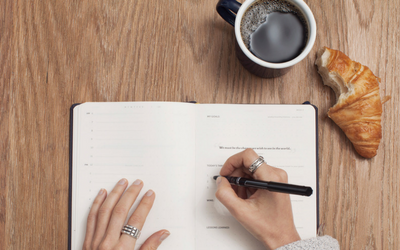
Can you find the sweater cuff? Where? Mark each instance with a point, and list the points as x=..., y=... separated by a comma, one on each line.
x=320, y=243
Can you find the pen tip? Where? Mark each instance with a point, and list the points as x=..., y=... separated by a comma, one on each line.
x=215, y=177
x=309, y=192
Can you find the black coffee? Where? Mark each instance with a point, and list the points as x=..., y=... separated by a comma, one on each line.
x=274, y=31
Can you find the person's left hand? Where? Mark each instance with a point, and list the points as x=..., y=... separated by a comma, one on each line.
x=108, y=214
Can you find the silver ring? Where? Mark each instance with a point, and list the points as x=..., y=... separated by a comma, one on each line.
x=131, y=230
x=256, y=164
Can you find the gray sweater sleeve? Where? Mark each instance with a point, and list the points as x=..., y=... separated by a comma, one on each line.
x=320, y=243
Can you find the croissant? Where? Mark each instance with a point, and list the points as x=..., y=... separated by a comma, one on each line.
x=358, y=108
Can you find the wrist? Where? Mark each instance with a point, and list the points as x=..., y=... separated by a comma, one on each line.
x=282, y=239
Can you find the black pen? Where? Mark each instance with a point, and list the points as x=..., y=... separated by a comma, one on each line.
x=269, y=185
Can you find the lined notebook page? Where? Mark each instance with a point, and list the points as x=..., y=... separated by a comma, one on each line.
x=285, y=135
x=176, y=148
x=153, y=142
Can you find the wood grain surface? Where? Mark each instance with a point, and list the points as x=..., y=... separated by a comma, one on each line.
x=57, y=53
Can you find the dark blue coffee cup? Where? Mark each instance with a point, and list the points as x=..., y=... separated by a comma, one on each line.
x=232, y=12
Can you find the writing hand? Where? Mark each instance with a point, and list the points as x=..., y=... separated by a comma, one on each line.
x=266, y=215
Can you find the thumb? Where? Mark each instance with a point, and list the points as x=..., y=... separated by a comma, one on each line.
x=227, y=196
x=154, y=241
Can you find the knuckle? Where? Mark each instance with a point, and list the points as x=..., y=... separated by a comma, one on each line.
x=146, y=202
x=136, y=218
x=282, y=175
x=91, y=218
x=98, y=201
x=117, y=191
x=119, y=210
x=133, y=190
x=104, y=245
x=103, y=211
x=249, y=151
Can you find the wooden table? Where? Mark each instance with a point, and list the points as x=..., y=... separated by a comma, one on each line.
x=56, y=53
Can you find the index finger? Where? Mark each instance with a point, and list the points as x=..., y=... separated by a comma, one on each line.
x=240, y=160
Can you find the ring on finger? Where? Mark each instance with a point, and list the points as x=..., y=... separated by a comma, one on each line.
x=131, y=231
x=256, y=164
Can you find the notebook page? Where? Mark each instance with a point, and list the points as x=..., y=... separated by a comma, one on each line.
x=285, y=135
x=150, y=141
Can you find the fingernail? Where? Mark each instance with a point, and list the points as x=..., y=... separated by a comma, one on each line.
x=122, y=182
x=149, y=193
x=137, y=182
x=164, y=236
x=101, y=191
x=219, y=179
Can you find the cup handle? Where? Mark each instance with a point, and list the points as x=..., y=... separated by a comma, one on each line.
x=227, y=9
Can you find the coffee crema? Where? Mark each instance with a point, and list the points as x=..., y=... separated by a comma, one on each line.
x=274, y=31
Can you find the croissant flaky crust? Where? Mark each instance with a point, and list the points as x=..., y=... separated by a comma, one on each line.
x=358, y=109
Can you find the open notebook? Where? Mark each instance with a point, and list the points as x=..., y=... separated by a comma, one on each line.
x=176, y=148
